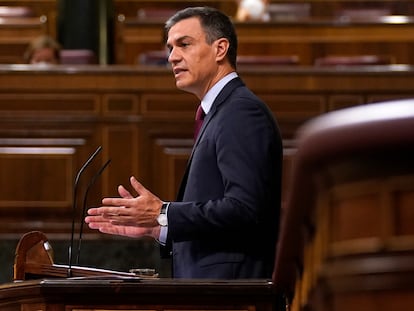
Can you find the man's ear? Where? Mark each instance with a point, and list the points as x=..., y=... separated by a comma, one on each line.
x=222, y=46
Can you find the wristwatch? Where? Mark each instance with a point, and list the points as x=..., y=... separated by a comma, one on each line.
x=162, y=217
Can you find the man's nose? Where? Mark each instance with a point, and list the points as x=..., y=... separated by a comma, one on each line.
x=172, y=56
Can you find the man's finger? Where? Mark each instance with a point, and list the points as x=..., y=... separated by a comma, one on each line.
x=138, y=187
x=117, y=202
x=124, y=193
x=90, y=219
x=93, y=211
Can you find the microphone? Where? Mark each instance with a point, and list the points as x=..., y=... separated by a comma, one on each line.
x=74, y=204
x=85, y=198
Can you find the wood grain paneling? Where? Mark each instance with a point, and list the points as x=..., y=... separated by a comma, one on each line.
x=169, y=163
x=16, y=34
x=145, y=126
x=122, y=147
x=145, y=295
x=47, y=9
x=169, y=104
x=308, y=39
x=45, y=165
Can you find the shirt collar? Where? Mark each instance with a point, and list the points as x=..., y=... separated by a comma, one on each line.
x=211, y=95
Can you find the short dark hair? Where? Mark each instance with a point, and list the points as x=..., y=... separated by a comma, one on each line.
x=215, y=24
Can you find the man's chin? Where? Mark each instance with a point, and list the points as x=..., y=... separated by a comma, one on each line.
x=181, y=86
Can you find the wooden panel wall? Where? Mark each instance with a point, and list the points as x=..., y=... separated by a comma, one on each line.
x=130, y=8
x=317, y=8
x=306, y=40
x=52, y=120
x=46, y=8
x=15, y=36
x=320, y=36
x=17, y=32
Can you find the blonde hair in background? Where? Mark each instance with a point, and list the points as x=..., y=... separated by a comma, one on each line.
x=42, y=42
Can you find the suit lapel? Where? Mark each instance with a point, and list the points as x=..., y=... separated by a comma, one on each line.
x=220, y=99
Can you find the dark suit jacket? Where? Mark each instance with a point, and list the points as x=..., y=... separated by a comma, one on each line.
x=225, y=221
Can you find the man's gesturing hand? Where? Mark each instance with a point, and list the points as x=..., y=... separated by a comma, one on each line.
x=141, y=211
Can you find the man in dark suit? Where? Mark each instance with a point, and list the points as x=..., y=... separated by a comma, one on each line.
x=225, y=221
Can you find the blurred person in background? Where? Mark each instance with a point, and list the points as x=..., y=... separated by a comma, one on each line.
x=252, y=10
x=43, y=50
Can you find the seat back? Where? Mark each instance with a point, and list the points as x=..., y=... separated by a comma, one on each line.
x=354, y=60
x=267, y=60
x=77, y=57
x=155, y=57
x=346, y=237
x=288, y=11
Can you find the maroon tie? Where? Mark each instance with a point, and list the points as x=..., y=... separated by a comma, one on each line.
x=199, y=118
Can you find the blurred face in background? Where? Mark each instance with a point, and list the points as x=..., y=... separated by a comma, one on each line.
x=44, y=56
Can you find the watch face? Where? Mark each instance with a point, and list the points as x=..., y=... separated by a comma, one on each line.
x=162, y=220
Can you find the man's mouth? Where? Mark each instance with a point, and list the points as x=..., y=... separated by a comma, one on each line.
x=177, y=71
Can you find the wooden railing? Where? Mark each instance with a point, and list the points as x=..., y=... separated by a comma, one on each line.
x=52, y=119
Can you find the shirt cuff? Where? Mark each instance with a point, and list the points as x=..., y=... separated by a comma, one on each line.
x=162, y=239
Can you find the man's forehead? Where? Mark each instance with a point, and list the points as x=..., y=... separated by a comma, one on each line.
x=189, y=27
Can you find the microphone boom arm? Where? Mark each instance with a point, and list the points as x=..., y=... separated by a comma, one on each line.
x=74, y=205
x=85, y=198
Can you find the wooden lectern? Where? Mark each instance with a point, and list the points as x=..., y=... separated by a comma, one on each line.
x=42, y=285
x=34, y=260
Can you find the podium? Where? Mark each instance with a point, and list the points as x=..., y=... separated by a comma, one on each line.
x=147, y=294
x=34, y=260
x=42, y=285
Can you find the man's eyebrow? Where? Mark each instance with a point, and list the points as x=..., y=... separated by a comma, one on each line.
x=180, y=39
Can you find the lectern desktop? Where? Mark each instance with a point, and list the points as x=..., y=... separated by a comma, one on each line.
x=42, y=285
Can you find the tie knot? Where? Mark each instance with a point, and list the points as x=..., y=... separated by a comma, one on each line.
x=200, y=113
